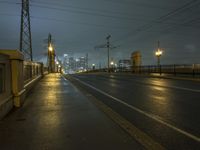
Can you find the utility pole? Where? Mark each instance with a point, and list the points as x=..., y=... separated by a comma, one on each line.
x=25, y=31
x=108, y=47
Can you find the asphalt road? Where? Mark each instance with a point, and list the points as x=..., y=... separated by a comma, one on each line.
x=165, y=109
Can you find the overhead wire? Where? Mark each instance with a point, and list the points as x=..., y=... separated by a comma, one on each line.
x=162, y=18
x=94, y=12
x=86, y=13
x=143, y=28
x=97, y=14
x=79, y=23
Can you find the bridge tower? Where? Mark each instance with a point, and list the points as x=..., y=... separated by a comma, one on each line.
x=25, y=33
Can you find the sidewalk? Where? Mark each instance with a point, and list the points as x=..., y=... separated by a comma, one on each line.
x=56, y=116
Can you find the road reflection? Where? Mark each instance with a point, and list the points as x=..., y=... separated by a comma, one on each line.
x=49, y=119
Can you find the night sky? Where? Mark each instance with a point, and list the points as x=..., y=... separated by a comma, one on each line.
x=77, y=26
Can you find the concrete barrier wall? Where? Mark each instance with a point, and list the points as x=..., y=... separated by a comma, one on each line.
x=17, y=77
x=33, y=72
x=6, y=97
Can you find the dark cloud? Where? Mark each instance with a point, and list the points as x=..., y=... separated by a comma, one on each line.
x=77, y=26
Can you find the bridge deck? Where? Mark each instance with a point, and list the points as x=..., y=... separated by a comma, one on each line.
x=57, y=116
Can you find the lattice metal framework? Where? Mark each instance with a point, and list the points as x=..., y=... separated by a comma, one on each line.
x=25, y=34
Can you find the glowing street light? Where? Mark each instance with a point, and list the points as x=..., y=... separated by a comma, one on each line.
x=158, y=54
x=93, y=66
x=111, y=63
x=50, y=48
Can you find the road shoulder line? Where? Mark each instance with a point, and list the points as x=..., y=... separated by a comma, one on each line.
x=154, y=117
x=133, y=131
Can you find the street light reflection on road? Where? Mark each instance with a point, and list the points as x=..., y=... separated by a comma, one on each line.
x=49, y=121
x=161, y=97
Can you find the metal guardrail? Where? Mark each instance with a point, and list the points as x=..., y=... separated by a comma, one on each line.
x=181, y=69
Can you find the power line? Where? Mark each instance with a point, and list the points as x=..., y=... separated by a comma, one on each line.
x=79, y=23
x=161, y=19
x=104, y=15
x=127, y=3
x=86, y=13
x=83, y=8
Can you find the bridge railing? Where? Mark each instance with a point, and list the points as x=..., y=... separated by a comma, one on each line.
x=17, y=77
x=32, y=70
x=181, y=69
x=175, y=69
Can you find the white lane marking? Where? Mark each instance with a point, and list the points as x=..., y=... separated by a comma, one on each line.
x=154, y=117
x=175, y=87
x=182, y=88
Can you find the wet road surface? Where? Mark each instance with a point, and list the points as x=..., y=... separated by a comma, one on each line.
x=165, y=109
x=57, y=116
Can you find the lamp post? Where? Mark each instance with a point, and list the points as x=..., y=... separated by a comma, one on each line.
x=51, y=55
x=50, y=48
x=158, y=54
x=57, y=66
x=51, y=58
x=112, y=65
x=93, y=66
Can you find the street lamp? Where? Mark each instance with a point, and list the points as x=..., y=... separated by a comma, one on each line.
x=93, y=66
x=158, y=54
x=111, y=63
x=50, y=48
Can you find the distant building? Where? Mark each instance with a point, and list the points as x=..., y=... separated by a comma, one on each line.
x=72, y=64
x=136, y=61
x=136, y=58
x=124, y=63
x=83, y=62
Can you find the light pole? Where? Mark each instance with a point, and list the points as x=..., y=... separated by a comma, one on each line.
x=112, y=65
x=50, y=50
x=158, y=54
x=51, y=55
x=93, y=66
x=108, y=46
x=57, y=68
